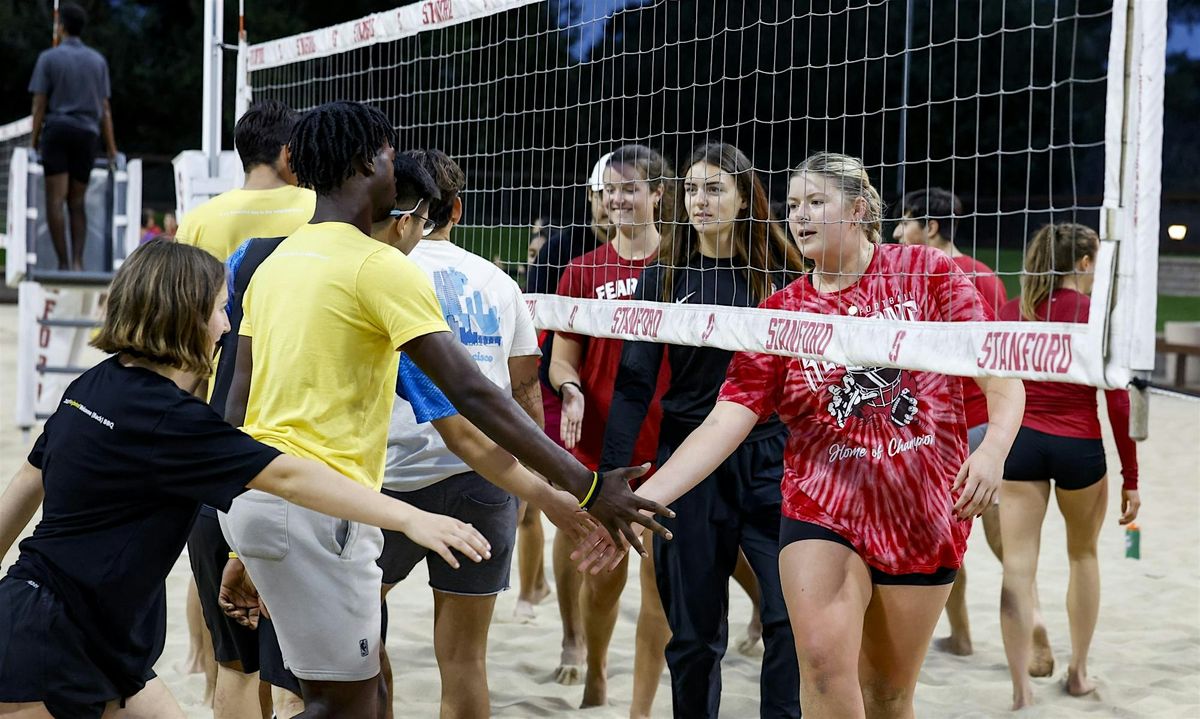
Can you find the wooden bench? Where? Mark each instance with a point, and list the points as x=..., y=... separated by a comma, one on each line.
x=1181, y=352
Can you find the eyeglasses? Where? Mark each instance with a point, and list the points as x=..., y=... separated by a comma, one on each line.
x=428, y=225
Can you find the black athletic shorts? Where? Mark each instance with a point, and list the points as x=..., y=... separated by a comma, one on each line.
x=44, y=657
x=1071, y=462
x=67, y=149
x=257, y=650
x=468, y=498
x=794, y=530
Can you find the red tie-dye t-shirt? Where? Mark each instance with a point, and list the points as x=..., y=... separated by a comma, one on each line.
x=873, y=451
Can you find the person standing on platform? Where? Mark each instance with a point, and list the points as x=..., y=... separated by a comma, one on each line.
x=70, y=91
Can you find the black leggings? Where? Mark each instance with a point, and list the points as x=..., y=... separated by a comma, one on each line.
x=737, y=507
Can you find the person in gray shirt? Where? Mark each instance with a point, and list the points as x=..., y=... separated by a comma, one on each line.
x=70, y=90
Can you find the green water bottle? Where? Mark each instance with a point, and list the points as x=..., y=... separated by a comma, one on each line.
x=1133, y=542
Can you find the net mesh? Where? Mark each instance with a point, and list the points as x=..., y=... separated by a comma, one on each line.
x=1002, y=104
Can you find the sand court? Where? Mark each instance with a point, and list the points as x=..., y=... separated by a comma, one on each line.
x=1145, y=656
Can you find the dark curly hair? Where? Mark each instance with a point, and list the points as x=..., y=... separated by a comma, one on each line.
x=329, y=138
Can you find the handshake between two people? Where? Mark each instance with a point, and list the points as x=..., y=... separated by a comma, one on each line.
x=601, y=524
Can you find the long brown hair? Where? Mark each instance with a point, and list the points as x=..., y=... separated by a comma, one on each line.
x=1052, y=254
x=159, y=305
x=759, y=244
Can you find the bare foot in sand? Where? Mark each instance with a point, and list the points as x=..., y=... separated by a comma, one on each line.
x=1022, y=696
x=570, y=665
x=595, y=689
x=1041, y=664
x=524, y=611
x=748, y=645
x=1077, y=683
x=956, y=645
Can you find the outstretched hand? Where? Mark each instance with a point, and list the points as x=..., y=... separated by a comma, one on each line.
x=442, y=534
x=618, y=509
x=562, y=509
x=238, y=597
x=596, y=553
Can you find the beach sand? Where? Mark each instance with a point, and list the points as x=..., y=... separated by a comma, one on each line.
x=1145, y=657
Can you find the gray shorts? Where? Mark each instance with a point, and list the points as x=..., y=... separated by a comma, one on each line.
x=468, y=498
x=319, y=579
x=975, y=436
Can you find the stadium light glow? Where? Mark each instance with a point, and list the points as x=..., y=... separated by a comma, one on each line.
x=1177, y=232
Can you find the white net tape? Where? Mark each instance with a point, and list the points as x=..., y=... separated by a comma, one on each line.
x=1009, y=105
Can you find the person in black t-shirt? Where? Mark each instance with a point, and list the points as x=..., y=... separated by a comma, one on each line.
x=721, y=249
x=120, y=471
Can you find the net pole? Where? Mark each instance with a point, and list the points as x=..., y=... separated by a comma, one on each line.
x=1141, y=195
x=210, y=141
x=241, y=98
x=900, y=160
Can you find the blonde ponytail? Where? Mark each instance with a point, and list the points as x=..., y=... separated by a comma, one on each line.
x=1052, y=254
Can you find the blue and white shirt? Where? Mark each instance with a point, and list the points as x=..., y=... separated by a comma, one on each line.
x=487, y=313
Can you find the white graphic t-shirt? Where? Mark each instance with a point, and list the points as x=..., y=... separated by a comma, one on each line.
x=487, y=313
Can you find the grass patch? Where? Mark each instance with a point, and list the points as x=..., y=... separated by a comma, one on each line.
x=511, y=244
x=1176, y=309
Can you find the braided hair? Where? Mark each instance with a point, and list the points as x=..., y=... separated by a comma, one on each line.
x=328, y=139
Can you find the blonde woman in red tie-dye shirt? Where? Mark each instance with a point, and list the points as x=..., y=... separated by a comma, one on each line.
x=870, y=540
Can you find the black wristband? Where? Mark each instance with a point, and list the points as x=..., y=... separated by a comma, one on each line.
x=558, y=390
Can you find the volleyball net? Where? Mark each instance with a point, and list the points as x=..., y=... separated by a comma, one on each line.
x=1029, y=112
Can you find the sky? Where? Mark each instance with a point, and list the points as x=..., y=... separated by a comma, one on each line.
x=1183, y=36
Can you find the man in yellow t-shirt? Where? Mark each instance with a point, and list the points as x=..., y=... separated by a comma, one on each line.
x=269, y=204
x=315, y=376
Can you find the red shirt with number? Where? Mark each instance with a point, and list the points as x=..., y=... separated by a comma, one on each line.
x=873, y=451
x=603, y=274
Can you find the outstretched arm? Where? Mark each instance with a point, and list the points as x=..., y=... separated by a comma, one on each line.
x=18, y=504
x=503, y=470
x=447, y=363
x=725, y=428
x=317, y=487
